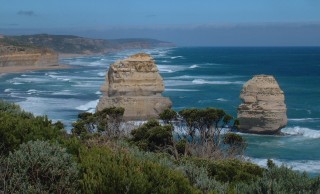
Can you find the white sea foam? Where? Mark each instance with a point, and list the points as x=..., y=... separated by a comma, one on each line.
x=98, y=92
x=202, y=81
x=32, y=91
x=175, y=57
x=101, y=74
x=305, y=119
x=88, y=105
x=65, y=93
x=8, y=90
x=17, y=83
x=301, y=131
x=165, y=69
x=312, y=166
x=193, y=66
x=221, y=99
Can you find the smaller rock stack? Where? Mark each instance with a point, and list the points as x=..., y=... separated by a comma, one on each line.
x=263, y=110
x=136, y=85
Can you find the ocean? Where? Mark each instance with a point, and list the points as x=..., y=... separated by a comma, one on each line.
x=195, y=77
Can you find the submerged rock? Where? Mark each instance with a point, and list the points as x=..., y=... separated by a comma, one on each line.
x=263, y=110
x=136, y=85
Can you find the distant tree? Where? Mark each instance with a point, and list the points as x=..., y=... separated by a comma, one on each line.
x=168, y=115
x=151, y=136
x=236, y=144
x=202, y=133
x=106, y=121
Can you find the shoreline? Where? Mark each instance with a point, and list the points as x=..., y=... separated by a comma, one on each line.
x=22, y=69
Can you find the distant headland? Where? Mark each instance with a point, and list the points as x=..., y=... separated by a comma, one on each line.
x=42, y=51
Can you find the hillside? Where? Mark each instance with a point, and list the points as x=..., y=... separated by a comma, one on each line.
x=68, y=44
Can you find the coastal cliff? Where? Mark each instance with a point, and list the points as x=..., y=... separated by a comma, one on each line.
x=12, y=56
x=69, y=44
x=263, y=110
x=136, y=85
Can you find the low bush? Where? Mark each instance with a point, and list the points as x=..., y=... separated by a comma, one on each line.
x=230, y=170
x=39, y=167
x=107, y=171
x=281, y=180
x=15, y=130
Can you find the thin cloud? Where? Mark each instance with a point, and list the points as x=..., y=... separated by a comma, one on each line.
x=26, y=13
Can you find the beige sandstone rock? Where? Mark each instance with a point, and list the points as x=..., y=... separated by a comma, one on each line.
x=11, y=56
x=136, y=85
x=263, y=110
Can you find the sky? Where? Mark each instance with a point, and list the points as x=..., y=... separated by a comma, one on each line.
x=186, y=23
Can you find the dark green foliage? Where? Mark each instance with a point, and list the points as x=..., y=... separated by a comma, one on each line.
x=181, y=146
x=236, y=143
x=39, y=167
x=106, y=121
x=152, y=136
x=17, y=129
x=14, y=109
x=168, y=115
x=107, y=171
x=281, y=180
x=207, y=122
x=230, y=170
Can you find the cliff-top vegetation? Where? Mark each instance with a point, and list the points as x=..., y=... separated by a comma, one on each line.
x=100, y=156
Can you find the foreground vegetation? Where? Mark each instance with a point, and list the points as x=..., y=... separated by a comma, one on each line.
x=99, y=156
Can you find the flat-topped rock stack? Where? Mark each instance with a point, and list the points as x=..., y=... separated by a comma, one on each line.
x=263, y=110
x=136, y=85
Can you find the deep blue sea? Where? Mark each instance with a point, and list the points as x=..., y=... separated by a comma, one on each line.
x=195, y=77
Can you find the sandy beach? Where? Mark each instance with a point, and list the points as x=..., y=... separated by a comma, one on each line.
x=20, y=69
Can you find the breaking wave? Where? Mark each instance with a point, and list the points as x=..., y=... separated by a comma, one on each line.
x=301, y=131
x=202, y=81
x=193, y=66
x=300, y=165
x=88, y=106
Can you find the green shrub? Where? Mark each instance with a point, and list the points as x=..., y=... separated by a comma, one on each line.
x=152, y=136
x=230, y=170
x=14, y=109
x=39, y=167
x=107, y=171
x=281, y=180
x=15, y=130
x=168, y=115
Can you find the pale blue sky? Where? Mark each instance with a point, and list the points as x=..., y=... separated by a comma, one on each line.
x=172, y=20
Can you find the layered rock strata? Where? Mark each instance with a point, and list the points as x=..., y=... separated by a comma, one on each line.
x=136, y=85
x=11, y=56
x=263, y=109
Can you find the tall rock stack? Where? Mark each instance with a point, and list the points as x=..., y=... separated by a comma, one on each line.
x=136, y=85
x=263, y=110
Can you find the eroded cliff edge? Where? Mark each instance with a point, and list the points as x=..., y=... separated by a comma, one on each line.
x=13, y=56
x=136, y=85
x=263, y=109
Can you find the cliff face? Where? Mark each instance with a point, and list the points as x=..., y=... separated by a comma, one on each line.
x=263, y=109
x=136, y=85
x=21, y=56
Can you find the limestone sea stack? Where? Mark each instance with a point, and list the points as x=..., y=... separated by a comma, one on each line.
x=263, y=109
x=136, y=85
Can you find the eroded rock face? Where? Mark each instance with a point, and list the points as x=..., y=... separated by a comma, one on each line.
x=19, y=56
x=263, y=110
x=136, y=85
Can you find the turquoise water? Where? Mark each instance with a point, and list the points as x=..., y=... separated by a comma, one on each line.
x=195, y=77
